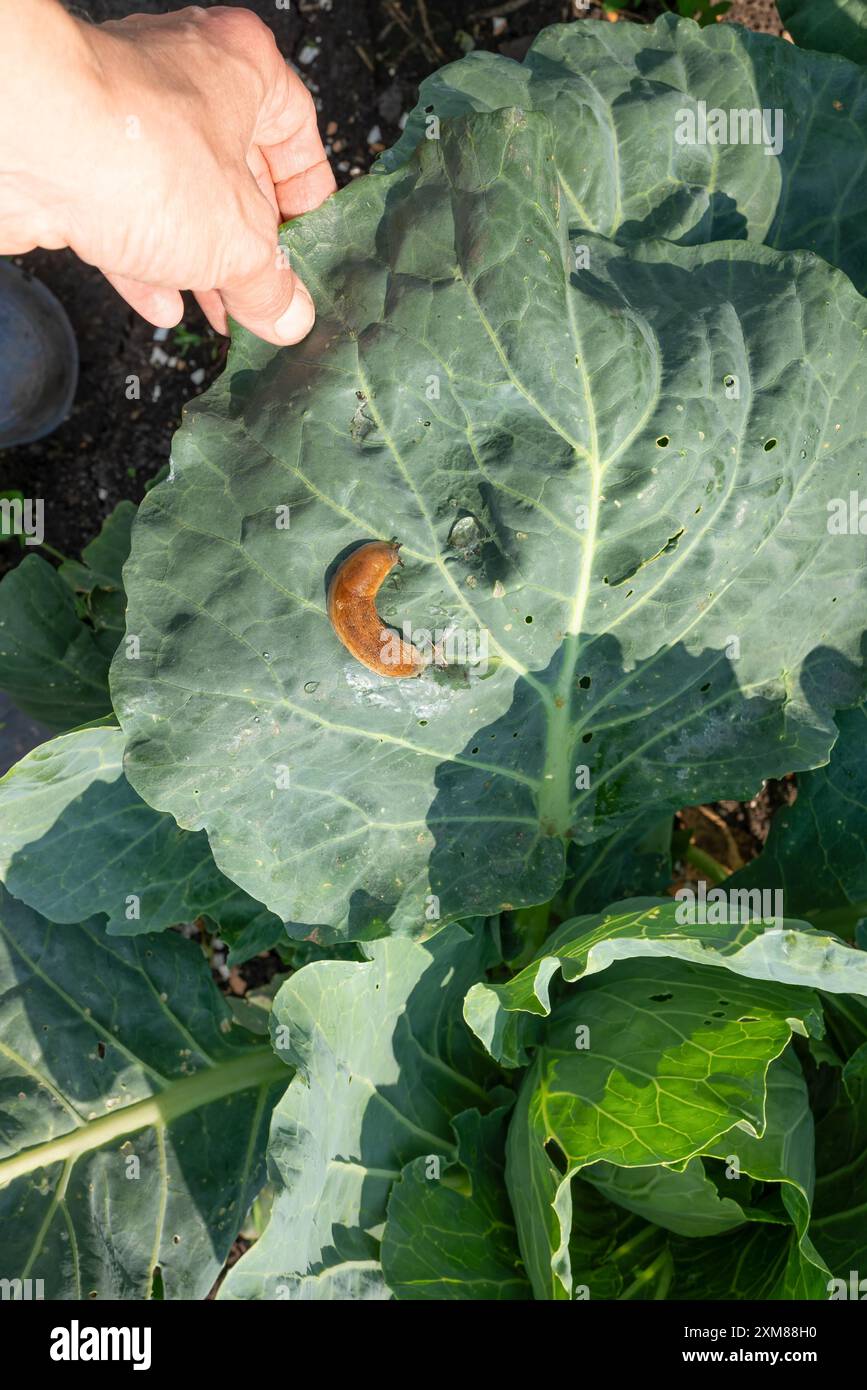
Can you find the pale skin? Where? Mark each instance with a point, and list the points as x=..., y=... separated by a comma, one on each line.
x=165, y=150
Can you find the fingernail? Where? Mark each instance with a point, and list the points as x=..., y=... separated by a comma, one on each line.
x=297, y=321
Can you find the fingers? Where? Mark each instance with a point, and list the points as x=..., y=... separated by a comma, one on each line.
x=212, y=307
x=302, y=191
x=258, y=166
x=164, y=308
x=290, y=141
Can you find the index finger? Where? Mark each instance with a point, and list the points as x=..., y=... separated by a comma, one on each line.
x=288, y=135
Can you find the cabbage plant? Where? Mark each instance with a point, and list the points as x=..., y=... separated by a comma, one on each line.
x=603, y=381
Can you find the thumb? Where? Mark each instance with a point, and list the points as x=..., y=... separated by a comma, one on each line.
x=275, y=305
x=270, y=300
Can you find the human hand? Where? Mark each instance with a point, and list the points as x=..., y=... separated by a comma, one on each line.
x=190, y=139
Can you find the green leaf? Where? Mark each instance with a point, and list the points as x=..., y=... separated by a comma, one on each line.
x=615, y=1081
x=57, y=638
x=343, y=799
x=617, y=1255
x=634, y=862
x=839, y=1225
x=815, y=848
x=832, y=26
x=451, y=1234
x=76, y=840
x=785, y=952
x=51, y=663
x=98, y=579
x=615, y=95
x=714, y=1193
x=759, y=1262
x=102, y=561
x=613, y=1254
x=384, y=1064
x=686, y=1201
x=135, y=1118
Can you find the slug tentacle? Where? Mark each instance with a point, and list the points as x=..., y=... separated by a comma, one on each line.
x=352, y=611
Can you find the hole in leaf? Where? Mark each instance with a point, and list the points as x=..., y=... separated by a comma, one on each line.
x=704, y=687
x=528, y=620
x=663, y=441
x=769, y=445
x=661, y=998
x=586, y=738
x=585, y=682
x=100, y=1050
x=556, y=1155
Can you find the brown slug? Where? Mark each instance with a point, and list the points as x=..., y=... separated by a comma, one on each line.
x=352, y=611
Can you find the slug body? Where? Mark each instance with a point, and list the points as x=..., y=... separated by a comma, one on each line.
x=352, y=611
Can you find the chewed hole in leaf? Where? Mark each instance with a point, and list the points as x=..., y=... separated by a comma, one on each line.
x=769, y=445
x=663, y=441
x=585, y=682
x=661, y=998
x=556, y=1155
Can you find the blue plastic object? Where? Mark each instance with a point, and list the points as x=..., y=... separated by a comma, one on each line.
x=38, y=358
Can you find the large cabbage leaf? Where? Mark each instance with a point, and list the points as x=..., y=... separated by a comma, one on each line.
x=616, y=95
x=833, y=26
x=502, y=1015
x=620, y=1094
x=59, y=628
x=644, y=543
x=134, y=1113
x=384, y=1064
x=76, y=841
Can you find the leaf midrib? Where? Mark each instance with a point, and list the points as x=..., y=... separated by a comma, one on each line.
x=258, y=1067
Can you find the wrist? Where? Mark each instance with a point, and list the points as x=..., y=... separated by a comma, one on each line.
x=51, y=107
